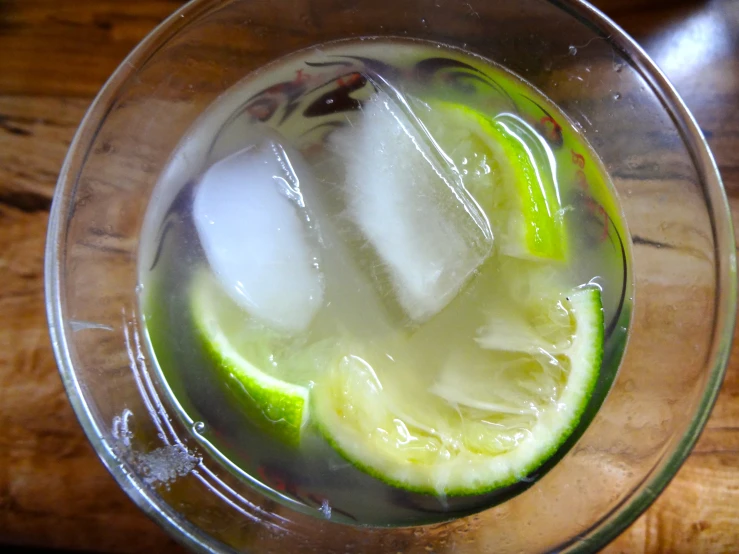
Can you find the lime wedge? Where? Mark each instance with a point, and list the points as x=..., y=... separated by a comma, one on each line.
x=509, y=170
x=488, y=419
x=236, y=347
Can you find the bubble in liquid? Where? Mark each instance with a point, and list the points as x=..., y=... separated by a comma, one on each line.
x=198, y=427
x=617, y=96
x=572, y=50
x=326, y=509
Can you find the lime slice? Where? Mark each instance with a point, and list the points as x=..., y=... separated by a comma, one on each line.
x=237, y=347
x=509, y=170
x=489, y=418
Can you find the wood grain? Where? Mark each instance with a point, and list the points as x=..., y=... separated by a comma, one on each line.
x=68, y=48
x=54, y=56
x=699, y=511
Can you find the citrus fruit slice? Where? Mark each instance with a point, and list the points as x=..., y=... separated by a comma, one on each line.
x=240, y=349
x=509, y=170
x=487, y=419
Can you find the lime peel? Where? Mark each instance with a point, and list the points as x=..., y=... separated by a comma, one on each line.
x=279, y=407
x=466, y=472
x=523, y=173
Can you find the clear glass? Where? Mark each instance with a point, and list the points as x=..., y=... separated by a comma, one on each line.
x=683, y=252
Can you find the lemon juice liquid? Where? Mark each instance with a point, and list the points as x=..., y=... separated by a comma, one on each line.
x=386, y=280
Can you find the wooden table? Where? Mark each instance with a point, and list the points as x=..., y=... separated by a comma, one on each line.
x=54, y=56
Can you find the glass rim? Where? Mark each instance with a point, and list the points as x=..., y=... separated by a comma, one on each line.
x=611, y=524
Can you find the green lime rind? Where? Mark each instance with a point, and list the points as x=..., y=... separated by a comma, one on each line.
x=479, y=473
x=276, y=406
x=517, y=186
x=543, y=225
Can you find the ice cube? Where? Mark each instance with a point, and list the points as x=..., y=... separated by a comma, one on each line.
x=408, y=202
x=250, y=216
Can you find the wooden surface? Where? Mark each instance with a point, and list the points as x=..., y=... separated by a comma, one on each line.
x=54, y=56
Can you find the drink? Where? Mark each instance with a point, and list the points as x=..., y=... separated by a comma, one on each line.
x=374, y=270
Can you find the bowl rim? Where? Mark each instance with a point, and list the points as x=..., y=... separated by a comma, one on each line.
x=656, y=481
x=611, y=524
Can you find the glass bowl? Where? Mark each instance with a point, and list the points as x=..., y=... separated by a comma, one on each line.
x=684, y=270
